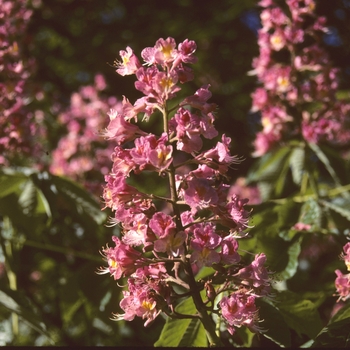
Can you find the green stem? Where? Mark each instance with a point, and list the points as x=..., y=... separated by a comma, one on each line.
x=55, y=248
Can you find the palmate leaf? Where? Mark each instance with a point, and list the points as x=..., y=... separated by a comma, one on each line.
x=28, y=198
x=79, y=198
x=343, y=209
x=269, y=166
x=327, y=163
x=296, y=161
x=31, y=199
x=299, y=314
x=273, y=324
x=337, y=332
x=10, y=183
x=311, y=213
x=15, y=302
x=334, y=335
x=183, y=332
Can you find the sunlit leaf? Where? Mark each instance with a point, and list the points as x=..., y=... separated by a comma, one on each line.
x=296, y=162
x=183, y=332
x=10, y=183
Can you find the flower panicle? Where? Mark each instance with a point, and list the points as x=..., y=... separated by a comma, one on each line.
x=166, y=239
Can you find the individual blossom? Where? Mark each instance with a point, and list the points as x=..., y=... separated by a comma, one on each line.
x=239, y=310
x=119, y=129
x=342, y=281
x=346, y=255
x=129, y=64
x=229, y=254
x=255, y=275
x=342, y=285
x=122, y=259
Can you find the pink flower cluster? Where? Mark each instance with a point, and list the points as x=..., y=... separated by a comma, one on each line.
x=342, y=282
x=82, y=154
x=296, y=98
x=166, y=240
x=17, y=124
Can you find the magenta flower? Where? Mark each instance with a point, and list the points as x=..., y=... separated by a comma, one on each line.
x=255, y=275
x=199, y=194
x=183, y=230
x=120, y=130
x=122, y=259
x=229, y=254
x=129, y=64
x=346, y=256
x=162, y=224
x=296, y=84
x=342, y=285
x=239, y=310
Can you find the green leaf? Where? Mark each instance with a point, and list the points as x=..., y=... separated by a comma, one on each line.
x=343, y=313
x=311, y=213
x=324, y=159
x=15, y=302
x=268, y=167
x=293, y=252
x=342, y=210
x=28, y=198
x=342, y=95
x=195, y=335
x=296, y=161
x=334, y=335
x=183, y=332
x=79, y=198
x=299, y=314
x=274, y=326
x=246, y=336
x=10, y=183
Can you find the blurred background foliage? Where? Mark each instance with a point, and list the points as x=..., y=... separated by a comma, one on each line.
x=53, y=228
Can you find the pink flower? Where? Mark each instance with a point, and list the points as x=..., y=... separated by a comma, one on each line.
x=162, y=224
x=136, y=230
x=237, y=213
x=152, y=153
x=346, y=256
x=121, y=130
x=300, y=226
x=130, y=63
x=199, y=100
x=229, y=254
x=173, y=243
x=185, y=53
x=342, y=285
x=219, y=157
x=255, y=275
x=199, y=194
x=239, y=310
x=122, y=259
x=204, y=257
x=204, y=236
